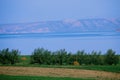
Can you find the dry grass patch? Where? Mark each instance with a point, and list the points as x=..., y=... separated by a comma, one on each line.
x=58, y=72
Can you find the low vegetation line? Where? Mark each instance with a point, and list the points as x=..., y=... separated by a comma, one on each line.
x=60, y=57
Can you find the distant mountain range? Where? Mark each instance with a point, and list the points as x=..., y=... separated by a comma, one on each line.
x=63, y=26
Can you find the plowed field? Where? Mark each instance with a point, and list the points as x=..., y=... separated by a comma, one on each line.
x=58, y=72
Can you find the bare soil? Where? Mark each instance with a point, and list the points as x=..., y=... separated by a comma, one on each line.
x=58, y=72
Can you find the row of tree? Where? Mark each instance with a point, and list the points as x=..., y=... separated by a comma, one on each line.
x=61, y=57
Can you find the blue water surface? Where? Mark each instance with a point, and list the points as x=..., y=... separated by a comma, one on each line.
x=72, y=42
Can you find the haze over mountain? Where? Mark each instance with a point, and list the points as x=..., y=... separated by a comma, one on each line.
x=63, y=26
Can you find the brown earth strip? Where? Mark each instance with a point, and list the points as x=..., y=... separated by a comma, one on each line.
x=58, y=72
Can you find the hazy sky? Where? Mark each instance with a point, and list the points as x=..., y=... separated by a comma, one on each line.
x=20, y=11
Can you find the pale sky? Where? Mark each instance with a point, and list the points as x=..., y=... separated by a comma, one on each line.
x=23, y=11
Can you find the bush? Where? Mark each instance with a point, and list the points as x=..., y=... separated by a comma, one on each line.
x=76, y=63
x=9, y=57
x=23, y=58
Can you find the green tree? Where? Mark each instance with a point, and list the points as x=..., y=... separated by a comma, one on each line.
x=14, y=56
x=47, y=57
x=9, y=57
x=37, y=56
x=80, y=56
x=62, y=56
x=41, y=56
x=5, y=56
x=69, y=59
x=111, y=57
x=95, y=58
x=53, y=58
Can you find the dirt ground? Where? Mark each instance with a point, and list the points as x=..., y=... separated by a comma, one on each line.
x=58, y=72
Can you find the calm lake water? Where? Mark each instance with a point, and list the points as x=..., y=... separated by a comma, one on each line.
x=72, y=42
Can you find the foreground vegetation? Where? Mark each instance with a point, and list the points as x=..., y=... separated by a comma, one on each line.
x=62, y=59
x=7, y=77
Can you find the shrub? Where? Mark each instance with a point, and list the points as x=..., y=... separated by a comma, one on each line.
x=23, y=58
x=76, y=63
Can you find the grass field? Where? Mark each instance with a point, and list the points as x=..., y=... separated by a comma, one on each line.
x=108, y=68
x=57, y=72
x=7, y=77
x=26, y=71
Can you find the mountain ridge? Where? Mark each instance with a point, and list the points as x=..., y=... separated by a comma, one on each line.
x=63, y=26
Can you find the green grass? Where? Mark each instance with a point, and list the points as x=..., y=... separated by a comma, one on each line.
x=7, y=77
x=27, y=61
x=109, y=68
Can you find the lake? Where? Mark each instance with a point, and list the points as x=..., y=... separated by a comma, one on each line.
x=72, y=42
